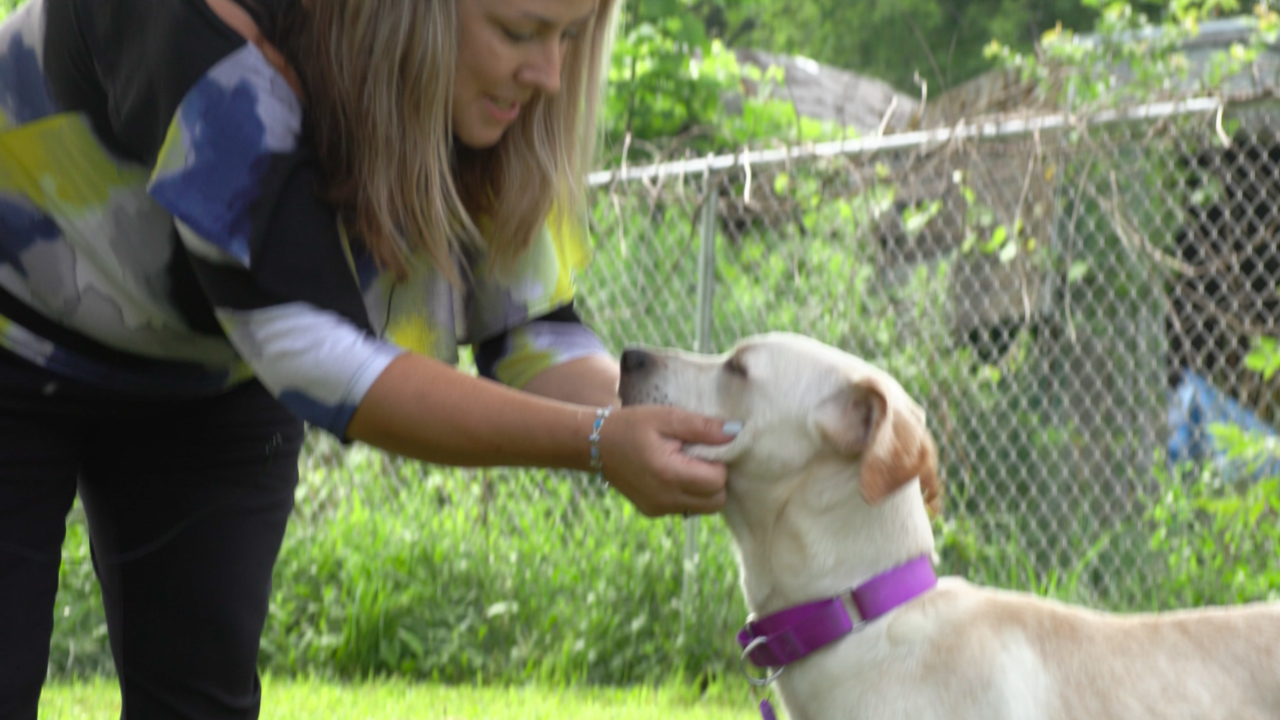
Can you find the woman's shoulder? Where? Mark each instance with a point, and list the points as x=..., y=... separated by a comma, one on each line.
x=137, y=58
x=120, y=29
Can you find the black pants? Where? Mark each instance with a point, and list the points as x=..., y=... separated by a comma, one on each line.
x=187, y=505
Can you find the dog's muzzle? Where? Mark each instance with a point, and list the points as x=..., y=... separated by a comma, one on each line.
x=635, y=364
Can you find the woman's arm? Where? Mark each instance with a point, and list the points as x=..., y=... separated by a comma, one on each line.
x=425, y=409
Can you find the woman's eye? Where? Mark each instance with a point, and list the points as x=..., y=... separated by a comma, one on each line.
x=517, y=36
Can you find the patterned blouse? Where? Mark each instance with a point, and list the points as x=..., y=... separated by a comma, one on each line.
x=161, y=234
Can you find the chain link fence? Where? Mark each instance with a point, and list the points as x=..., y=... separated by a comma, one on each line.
x=1071, y=300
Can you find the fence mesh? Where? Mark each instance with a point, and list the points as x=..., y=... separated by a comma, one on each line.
x=1071, y=302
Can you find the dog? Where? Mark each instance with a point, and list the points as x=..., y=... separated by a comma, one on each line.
x=829, y=485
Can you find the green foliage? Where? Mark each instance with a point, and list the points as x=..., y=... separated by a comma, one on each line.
x=993, y=550
x=1264, y=357
x=669, y=79
x=1132, y=57
x=900, y=40
x=533, y=578
x=1218, y=542
x=673, y=65
x=1199, y=543
x=655, y=89
x=79, y=646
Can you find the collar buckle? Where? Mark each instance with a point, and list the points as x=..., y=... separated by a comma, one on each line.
x=743, y=659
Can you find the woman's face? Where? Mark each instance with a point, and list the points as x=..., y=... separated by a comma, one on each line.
x=508, y=52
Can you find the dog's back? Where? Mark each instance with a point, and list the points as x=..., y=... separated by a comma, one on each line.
x=966, y=651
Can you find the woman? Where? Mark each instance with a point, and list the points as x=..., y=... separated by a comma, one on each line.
x=219, y=219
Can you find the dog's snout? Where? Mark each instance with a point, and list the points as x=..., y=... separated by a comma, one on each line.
x=633, y=361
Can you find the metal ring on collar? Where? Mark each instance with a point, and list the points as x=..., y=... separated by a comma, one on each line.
x=757, y=681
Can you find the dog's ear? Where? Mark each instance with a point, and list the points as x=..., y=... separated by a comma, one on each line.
x=888, y=437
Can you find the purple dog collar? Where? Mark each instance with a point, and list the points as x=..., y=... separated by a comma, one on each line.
x=791, y=634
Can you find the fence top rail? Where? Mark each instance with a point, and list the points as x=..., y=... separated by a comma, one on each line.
x=865, y=146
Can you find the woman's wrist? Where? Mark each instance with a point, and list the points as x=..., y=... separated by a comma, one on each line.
x=590, y=381
x=596, y=461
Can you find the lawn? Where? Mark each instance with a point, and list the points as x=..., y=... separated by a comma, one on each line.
x=400, y=700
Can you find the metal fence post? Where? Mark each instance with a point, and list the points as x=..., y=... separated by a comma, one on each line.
x=702, y=343
x=706, y=266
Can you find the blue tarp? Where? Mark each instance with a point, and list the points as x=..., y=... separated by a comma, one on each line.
x=1195, y=405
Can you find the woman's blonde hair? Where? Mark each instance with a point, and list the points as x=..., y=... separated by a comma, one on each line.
x=378, y=75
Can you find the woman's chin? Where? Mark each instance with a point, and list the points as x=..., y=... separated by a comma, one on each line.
x=479, y=140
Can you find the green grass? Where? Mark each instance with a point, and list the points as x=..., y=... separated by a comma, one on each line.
x=378, y=700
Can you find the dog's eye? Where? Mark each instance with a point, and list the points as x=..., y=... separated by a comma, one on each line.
x=734, y=365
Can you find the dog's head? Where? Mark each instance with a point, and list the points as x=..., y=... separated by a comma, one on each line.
x=800, y=402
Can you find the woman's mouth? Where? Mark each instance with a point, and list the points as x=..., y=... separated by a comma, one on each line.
x=502, y=111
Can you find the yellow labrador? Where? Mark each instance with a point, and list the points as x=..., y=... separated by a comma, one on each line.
x=828, y=485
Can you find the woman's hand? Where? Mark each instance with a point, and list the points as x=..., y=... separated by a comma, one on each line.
x=491, y=425
x=640, y=448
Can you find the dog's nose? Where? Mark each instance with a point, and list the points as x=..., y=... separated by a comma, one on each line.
x=633, y=361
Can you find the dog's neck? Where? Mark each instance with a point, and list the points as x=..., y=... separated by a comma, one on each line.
x=821, y=537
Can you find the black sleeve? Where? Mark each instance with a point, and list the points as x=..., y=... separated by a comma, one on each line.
x=489, y=352
x=127, y=64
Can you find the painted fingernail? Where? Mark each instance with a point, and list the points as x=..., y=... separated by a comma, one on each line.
x=733, y=427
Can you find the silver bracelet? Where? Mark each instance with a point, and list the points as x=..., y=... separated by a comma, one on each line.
x=596, y=465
